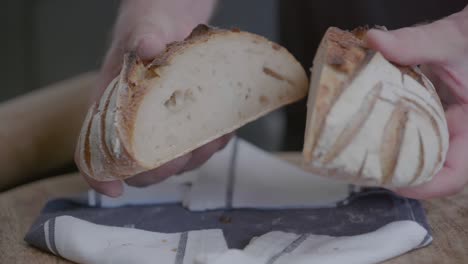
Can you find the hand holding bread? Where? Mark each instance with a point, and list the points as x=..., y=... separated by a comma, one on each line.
x=146, y=26
x=369, y=122
x=194, y=92
x=373, y=118
x=441, y=48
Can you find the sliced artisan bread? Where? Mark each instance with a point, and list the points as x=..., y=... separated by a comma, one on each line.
x=208, y=85
x=369, y=121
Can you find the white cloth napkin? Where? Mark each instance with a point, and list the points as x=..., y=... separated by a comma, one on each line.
x=286, y=248
x=171, y=190
x=84, y=242
x=240, y=176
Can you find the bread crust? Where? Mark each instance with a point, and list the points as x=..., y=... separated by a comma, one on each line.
x=346, y=55
x=120, y=110
x=82, y=149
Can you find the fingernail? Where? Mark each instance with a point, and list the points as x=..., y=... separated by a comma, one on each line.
x=147, y=46
x=375, y=37
x=380, y=33
x=114, y=190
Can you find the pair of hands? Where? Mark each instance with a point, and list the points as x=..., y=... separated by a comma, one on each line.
x=441, y=48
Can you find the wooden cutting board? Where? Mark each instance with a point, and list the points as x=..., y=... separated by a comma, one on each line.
x=20, y=206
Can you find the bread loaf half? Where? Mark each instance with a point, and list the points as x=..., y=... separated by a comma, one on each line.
x=369, y=121
x=208, y=85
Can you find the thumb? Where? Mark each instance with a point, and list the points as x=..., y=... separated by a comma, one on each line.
x=151, y=33
x=435, y=43
x=148, y=40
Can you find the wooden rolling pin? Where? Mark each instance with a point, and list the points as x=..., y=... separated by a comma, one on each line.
x=38, y=130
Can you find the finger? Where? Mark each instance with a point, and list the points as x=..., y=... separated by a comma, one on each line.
x=204, y=153
x=159, y=174
x=455, y=79
x=110, y=188
x=456, y=116
x=445, y=95
x=148, y=46
x=201, y=155
x=150, y=36
x=226, y=138
x=454, y=175
x=437, y=42
x=447, y=182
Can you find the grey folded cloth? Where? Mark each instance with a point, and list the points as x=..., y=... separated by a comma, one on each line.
x=96, y=222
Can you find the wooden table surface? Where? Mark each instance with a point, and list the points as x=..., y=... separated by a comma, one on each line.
x=20, y=206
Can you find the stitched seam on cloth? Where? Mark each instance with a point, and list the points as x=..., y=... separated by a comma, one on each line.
x=396, y=208
x=179, y=259
x=231, y=176
x=289, y=248
x=98, y=200
x=51, y=235
x=46, y=236
x=410, y=209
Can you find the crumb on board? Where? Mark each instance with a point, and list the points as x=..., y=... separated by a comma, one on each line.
x=225, y=219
